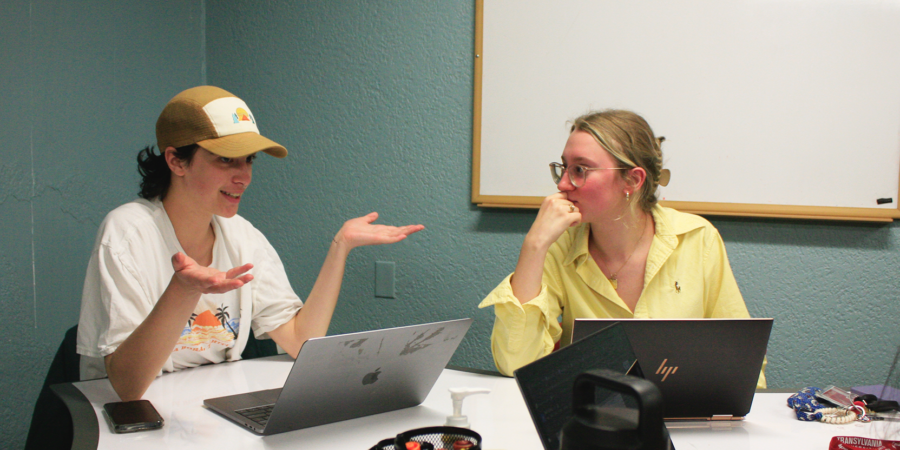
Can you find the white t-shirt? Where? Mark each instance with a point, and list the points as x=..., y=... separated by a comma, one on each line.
x=130, y=268
x=212, y=328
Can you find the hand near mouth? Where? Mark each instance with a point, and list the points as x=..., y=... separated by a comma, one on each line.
x=557, y=214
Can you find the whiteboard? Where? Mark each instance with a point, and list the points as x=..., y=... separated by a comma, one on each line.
x=772, y=108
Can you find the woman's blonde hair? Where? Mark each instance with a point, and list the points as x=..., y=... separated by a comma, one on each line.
x=629, y=139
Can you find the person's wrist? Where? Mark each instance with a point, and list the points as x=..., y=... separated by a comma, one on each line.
x=341, y=244
x=181, y=288
x=536, y=242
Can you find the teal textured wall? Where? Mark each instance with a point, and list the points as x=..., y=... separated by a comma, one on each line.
x=374, y=102
x=82, y=84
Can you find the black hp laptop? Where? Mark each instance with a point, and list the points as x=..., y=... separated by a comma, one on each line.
x=707, y=369
x=349, y=375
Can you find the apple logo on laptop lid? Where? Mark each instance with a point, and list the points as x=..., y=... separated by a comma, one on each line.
x=371, y=377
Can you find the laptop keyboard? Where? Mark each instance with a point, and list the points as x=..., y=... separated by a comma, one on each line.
x=258, y=414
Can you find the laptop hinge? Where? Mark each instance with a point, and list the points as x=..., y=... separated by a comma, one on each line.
x=722, y=417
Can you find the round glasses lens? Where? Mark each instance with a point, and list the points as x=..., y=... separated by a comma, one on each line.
x=576, y=175
x=556, y=172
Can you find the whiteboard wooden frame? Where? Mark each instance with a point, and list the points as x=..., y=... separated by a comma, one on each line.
x=886, y=213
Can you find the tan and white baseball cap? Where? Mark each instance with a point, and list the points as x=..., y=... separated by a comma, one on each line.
x=214, y=119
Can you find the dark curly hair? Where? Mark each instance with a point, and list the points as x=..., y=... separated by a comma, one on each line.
x=155, y=173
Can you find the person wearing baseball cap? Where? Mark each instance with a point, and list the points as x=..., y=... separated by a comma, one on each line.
x=177, y=278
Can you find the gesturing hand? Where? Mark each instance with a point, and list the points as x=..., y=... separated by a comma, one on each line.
x=361, y=231
x=557, y=214
x=208, y=280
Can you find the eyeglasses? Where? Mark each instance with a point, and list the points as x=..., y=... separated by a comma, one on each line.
x=577, y=173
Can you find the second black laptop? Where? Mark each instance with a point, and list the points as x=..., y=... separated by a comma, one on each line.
x=707, y=369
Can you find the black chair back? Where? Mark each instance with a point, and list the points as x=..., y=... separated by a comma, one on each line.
x=51, y=424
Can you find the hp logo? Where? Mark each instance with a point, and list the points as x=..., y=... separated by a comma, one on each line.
x=665, y=370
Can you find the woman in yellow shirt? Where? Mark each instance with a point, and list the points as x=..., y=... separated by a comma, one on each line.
x=603, y=248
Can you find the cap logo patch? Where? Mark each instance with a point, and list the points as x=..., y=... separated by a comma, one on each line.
x=242, y=114
x=230, y=115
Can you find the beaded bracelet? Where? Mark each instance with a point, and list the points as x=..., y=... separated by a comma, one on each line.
x=837, y=416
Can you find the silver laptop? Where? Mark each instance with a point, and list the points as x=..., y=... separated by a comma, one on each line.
x=349, y=375
x=707, y=369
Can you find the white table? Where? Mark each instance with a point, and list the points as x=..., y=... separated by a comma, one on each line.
x=500, y=417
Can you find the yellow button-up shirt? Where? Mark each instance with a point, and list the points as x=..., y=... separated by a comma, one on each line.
x=687, y=276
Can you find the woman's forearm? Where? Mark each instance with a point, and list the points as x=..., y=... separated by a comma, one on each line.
x=528, y=277
x=137, y=361
x=314, y=317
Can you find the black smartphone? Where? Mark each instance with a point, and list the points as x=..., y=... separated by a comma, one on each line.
x=136, y=415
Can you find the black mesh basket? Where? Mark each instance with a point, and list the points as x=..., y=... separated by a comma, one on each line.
x=384, y=444
x=432, y=437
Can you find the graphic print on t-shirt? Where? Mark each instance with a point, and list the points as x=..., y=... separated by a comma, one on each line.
x=214, y=327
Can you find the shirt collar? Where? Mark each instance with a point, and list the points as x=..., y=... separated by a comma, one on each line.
x=667, y=229
x=579, y=249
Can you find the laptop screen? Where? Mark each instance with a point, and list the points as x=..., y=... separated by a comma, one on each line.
x=547, y=383
x=705, y=368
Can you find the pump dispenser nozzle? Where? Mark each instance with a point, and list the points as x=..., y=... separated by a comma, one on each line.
x=458, y=395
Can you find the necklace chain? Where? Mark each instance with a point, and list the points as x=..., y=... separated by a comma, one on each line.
x=613, y=276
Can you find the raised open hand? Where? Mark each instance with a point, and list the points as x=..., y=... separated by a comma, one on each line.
x=208, y=280
x=361, y=231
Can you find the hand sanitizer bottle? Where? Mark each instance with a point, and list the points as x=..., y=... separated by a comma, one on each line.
x=458, y=395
